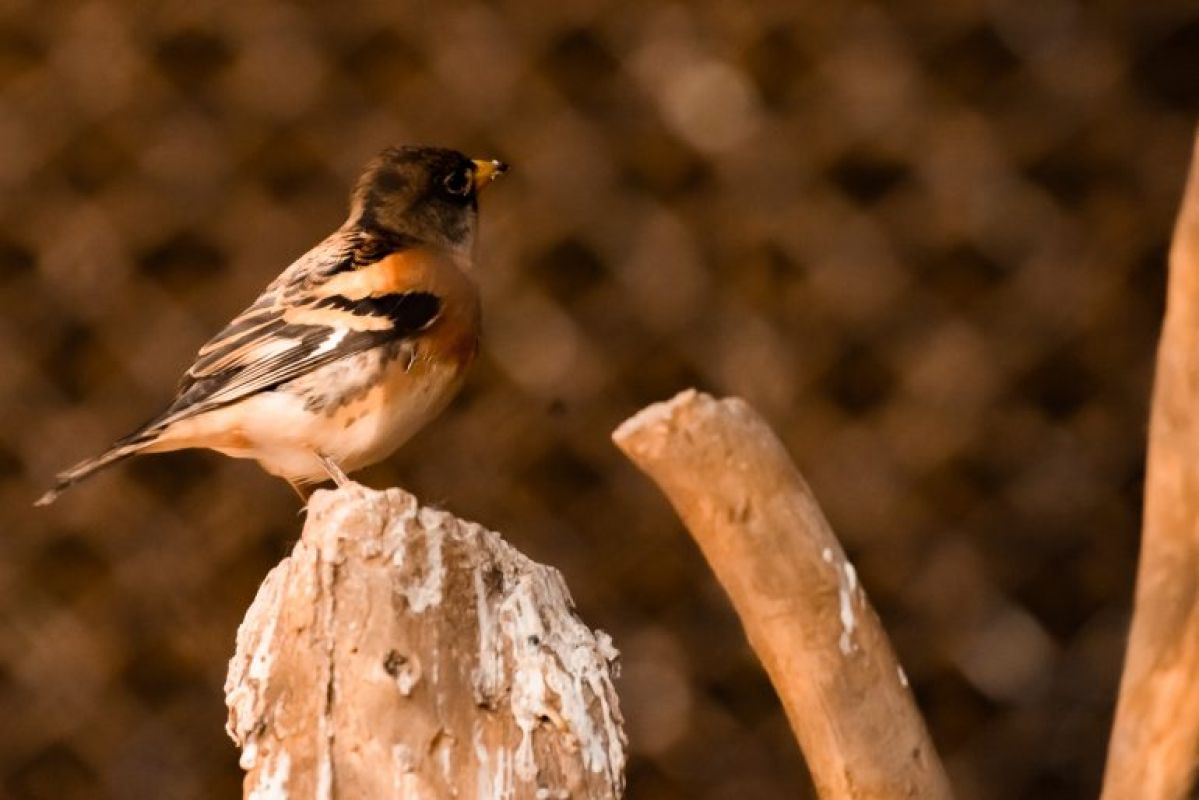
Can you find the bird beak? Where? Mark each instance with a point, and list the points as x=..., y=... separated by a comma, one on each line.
x=486, y=171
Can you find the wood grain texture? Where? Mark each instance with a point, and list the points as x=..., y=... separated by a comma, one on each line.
x=798, y=597
x=400, y=652
x=1155, y=738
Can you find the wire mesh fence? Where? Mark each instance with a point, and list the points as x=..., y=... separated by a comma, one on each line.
x=925, y=239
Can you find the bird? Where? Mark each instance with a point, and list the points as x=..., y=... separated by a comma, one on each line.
x=353, y=348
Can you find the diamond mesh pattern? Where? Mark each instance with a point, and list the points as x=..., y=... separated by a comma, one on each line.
x=925, y=239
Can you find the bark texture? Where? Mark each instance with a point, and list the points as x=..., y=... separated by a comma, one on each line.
x=797, y=595
x=1155, y=738
x=401, y=652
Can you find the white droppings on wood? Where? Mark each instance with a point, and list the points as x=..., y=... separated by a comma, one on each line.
x=426, y=593
x=609, y=713
x=443, y=746
x=327, y=611
x=260, y=662
x=324, y=764
x=400, y=529
x=495, y=778
x=403, y=758
x=903, y=676
x=488, y=670
x=404, y=670
x=246, y=682
x=407, y=679
x=273, y=784
x=377, y=594
x=484, y=778
x=249, y=754
x=557, y=668
x=410, y=525
x=848, y=584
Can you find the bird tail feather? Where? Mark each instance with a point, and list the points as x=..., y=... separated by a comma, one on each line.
x=120, y=451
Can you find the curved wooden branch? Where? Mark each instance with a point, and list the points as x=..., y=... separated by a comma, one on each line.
x=1155, y=738
x=400, y=652
x=798, y=597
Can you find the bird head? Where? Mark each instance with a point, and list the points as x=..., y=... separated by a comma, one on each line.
x=426, y=193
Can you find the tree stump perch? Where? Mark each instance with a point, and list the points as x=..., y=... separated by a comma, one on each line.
x=400, y=652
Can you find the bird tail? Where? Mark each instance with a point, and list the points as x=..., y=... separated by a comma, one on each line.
x=123, y=449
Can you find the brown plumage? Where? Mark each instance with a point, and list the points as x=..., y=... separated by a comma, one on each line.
x=353, y=348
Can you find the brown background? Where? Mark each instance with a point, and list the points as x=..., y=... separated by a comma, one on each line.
x=925, y=239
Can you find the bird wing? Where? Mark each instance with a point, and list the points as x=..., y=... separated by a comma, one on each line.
x=312, y=315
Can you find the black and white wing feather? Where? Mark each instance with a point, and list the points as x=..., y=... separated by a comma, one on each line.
x=285, y=334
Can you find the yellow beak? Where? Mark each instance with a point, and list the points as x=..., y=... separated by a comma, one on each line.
x=486, y=171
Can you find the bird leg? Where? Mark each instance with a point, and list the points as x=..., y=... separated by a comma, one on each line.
x=300, y=489
x=335, y=472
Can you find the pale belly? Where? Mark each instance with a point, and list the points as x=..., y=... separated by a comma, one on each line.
x=356, y=412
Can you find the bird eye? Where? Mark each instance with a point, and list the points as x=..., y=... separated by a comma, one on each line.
x=458, y=182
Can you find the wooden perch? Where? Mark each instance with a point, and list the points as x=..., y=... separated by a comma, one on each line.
x=798, y=597
x=402, y=653
x=1155, y=738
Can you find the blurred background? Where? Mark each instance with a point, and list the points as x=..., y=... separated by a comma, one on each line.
x=925, y=238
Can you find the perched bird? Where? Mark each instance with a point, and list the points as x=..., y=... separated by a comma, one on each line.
x=353, y=348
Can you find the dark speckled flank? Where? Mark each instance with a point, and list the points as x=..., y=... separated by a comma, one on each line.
x=342, y=382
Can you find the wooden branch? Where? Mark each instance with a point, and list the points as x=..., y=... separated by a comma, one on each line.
x=400, y=652
x=1155, y=738
x=798, y=597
